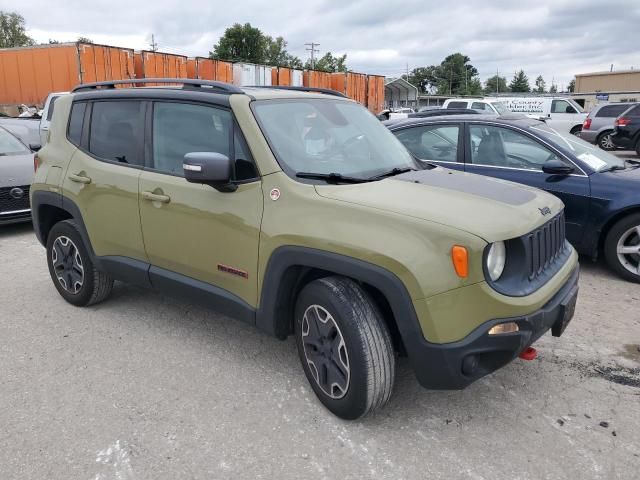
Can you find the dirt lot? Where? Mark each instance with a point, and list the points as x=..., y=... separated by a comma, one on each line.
x=147, y=387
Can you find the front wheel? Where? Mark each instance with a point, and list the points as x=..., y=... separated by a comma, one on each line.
x=605, y=142
x=344, y=346
x=622, y=248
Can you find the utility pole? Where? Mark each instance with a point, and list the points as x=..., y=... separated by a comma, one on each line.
x=497, y=81
x=313, y=51
x=450, y=78
x=153, y=44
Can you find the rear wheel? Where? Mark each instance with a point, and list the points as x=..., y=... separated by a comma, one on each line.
x=71, y=269
x=604, y=141
x=622, y=248
x=576, y=130
x=344, y=346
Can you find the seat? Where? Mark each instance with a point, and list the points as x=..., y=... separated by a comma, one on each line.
x=491, y=150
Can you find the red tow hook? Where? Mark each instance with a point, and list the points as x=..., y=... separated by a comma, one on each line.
x=528, y=353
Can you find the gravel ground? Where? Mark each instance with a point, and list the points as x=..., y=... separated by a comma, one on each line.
x=148, y=387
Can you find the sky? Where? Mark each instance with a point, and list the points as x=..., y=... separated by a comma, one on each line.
x=552, y=38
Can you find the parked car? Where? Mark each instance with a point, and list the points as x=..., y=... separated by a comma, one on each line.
x=440, y=112
x=489, y=105
x=47, y=114
x=599, y=190
x=300, y=213
x=626, y=129
x=560, y=113
x=26, y=129
x=16, y=173
x=598, y=126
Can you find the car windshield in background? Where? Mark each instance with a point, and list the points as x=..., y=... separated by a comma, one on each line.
x=593, y=156
x=501, y=108
x=10, y=145
x=330, y=137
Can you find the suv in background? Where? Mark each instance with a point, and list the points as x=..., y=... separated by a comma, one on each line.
x=626, y=132
x=598, y=126
x=300, y=213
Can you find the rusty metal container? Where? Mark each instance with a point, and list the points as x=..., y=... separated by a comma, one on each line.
x=353, y=85
x=160, y=65
x=316, y=79
x=375, y=93
x=29, y=74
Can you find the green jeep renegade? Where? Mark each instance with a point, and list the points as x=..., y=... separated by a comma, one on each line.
x=297, y=211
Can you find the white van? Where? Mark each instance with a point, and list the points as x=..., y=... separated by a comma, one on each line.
x=490, y=105
x=46, y=114
x=561, y=113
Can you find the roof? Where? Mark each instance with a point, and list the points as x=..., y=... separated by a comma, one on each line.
x=512, y=119
x=607, y=72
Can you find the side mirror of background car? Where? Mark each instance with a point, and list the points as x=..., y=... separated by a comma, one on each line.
x=556, y=167
x=35, y=147
x=209, y=168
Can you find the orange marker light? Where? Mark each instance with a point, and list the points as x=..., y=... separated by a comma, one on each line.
x=460, y=259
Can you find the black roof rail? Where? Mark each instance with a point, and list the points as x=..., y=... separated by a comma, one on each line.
x=326, y=91
x=187, y=83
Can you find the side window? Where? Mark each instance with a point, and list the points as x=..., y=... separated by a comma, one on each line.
x=116, y=132
x=479, y=106
x=435, y=142
x=245, y=167
x=611, y=111
x=76, y=118
x=634, y=112
x=181, y=128
x=562, y=106
x=503, y=147
x=52, y=103
x=457, y=105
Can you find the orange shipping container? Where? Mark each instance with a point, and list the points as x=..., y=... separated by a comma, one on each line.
x=281, y=76
x=353, y=85
x=208, y=69
x=316, y=79
x=375, y=93
x=29, y=74
x=160, y=65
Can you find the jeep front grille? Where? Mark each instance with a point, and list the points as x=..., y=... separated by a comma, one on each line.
x=545, y=245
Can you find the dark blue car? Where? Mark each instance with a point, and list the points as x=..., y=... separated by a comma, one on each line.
x=601, y=192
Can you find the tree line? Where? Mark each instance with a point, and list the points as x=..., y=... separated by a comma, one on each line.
x=455, y=75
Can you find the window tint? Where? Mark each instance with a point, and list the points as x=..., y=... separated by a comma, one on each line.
x=457, y=105
x=10, y=145
x=502, y=147
x=245, y=168
x=611, y=111
x=633, y=112
x=562, y=106
x=75, y=122
x=181, y=128
x=117, y=131
x=52, y=103
x=480, y=106
x=438, y=142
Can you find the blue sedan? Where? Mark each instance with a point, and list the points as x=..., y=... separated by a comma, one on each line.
x=601, y=192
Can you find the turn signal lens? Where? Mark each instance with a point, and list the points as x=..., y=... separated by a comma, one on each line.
x=460, y=259
x=36, y=162
x=509, y=327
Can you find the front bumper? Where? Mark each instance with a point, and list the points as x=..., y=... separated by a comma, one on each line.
x=458, y=364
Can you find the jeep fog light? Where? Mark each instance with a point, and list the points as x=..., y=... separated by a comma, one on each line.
x=509, y=327
x=496, y=259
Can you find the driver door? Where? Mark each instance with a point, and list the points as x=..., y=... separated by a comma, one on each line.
x=509, y=154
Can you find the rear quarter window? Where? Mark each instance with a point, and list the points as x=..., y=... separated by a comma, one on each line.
x=74, y=132
x=457, y=105
x=611, y=111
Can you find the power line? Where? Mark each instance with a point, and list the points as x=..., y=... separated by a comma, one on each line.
x=153, y=44
x=313, y=52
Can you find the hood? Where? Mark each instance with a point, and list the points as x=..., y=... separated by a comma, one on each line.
x=16, y=170
x=490, y=208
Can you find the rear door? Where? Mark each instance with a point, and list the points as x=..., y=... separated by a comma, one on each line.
x=195, y=230
x=437, y=143
x=510, y=154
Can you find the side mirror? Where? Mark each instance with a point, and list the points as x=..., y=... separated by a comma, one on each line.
x=209, y=168
x=556, y=167
x=35, y=147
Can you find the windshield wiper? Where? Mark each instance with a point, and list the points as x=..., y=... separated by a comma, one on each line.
x=635, y=163
x=392, y=172
x=331, y=177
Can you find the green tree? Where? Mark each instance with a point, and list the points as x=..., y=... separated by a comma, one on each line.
x=455, y=75
x=276, y=54
x=241, y=43
x=496, y=84
x=541, y=85
x=329, y=63
x=84, y=40
x=520, y=82
x=553, y=88
x=572, y=86
x=12, y=31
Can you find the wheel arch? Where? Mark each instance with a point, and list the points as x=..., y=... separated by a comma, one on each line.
x=619, y=215
x=290, y=268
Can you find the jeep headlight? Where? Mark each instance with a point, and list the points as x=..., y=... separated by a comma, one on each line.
x=496, y=259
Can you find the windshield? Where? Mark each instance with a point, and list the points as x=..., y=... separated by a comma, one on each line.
x=590, y=154
x=501, y=108
x=329, y=136
x=10, y=145
x=576, y=105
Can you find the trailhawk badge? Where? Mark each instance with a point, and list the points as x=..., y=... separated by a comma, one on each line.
x=545, y=211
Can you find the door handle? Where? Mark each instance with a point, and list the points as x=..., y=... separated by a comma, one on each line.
x=155, y=197
x=79, y=178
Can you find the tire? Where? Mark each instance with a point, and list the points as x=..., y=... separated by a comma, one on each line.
x=75, y=276
x=355, y=336
x=626, y=235
x=576, y=130
x=638, y=147
x=604, y=141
